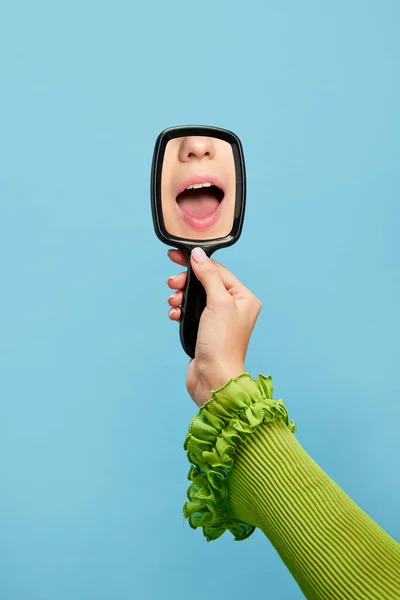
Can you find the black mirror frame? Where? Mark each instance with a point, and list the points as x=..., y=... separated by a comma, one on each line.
x=209, y=246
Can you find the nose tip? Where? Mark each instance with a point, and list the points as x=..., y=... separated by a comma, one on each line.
x=196, y=147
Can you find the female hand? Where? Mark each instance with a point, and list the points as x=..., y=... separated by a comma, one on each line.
x=225, y=325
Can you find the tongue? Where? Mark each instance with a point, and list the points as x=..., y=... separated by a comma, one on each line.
x=200, y=206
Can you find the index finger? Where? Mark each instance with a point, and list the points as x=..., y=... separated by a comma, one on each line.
x=178, y=257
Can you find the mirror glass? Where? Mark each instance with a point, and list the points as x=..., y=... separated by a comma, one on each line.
x=198, y=188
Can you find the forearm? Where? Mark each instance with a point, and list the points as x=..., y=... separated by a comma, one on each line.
x=248, y=470
x=332, y=548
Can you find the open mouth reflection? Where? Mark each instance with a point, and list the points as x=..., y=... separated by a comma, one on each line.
x=198, y=187
x=200, y=200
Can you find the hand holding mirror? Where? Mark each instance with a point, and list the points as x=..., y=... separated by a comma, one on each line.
x=198, y=193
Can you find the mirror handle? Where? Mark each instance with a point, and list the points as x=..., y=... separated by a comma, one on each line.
x=193, y=303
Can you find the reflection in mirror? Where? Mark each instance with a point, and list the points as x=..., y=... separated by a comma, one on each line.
x=198, y=188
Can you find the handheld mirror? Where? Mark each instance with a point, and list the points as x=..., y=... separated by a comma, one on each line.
x=198, y=194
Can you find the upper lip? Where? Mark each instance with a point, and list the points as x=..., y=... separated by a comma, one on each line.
x=193, y=179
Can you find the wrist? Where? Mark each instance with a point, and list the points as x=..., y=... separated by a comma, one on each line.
x=224, y=374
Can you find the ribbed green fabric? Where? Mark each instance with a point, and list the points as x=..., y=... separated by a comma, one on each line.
x=333, y=549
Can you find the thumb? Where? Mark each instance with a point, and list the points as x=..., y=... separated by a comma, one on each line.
x=208, y=274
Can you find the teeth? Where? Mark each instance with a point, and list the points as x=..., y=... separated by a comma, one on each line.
x=197, y=186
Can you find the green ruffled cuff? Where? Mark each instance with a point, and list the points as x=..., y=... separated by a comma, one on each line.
x=232, y=414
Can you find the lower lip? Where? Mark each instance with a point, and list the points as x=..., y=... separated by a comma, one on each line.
x=205, y=223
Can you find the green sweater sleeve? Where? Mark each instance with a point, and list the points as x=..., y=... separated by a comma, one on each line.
x=248, y=470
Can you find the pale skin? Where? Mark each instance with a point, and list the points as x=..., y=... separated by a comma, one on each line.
x=225, y=325
x=203, y=158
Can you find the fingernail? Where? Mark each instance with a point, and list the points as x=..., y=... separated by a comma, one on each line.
x=172, y=277
x=172, y=296
x=199, y=255
x=172, y=311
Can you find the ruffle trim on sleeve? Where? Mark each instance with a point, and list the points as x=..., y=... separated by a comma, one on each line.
x=227, y=419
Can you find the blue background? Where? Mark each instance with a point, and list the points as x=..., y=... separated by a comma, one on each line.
x=93, y=406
